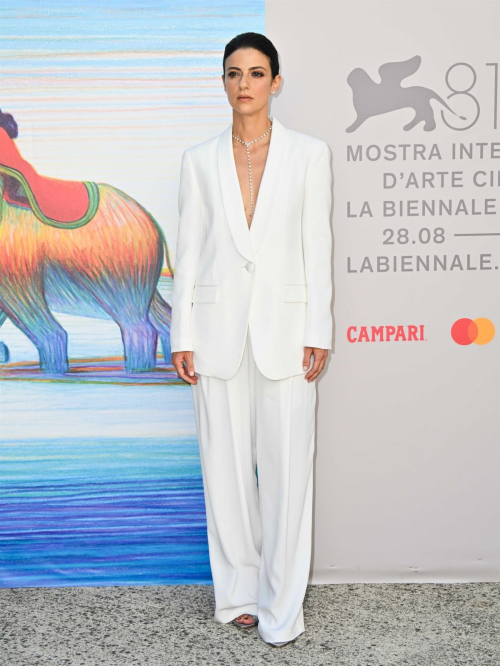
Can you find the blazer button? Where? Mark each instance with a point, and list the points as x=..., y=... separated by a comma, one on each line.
x=250, y=267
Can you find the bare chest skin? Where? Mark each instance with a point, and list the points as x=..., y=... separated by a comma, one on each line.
x=258, y=159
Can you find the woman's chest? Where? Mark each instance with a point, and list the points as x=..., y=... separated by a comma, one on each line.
x=285, y=187
x=250, y=163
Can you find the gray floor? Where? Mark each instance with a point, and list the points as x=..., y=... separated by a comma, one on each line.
x=346, y=625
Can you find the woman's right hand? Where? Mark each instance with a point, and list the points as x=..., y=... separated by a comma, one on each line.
x=185, y=373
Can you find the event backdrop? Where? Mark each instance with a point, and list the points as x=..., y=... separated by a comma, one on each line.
x=100, y=472
x=407, y=96
x=100, y=475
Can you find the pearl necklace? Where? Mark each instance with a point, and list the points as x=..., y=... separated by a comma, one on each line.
x=247, y=145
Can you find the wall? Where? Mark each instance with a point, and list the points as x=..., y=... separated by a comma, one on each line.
x=407, y=463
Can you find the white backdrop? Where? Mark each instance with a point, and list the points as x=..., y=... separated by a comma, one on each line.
x=407, y=467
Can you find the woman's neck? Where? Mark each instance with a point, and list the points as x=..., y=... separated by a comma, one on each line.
x=248, y=128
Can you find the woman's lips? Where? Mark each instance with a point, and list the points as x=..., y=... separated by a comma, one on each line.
x=244, y=98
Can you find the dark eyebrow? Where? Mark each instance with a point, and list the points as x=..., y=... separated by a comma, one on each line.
x=256, y=67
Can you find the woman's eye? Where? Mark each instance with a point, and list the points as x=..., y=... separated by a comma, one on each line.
x=230, y=74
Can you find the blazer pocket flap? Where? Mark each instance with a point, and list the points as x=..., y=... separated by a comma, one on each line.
x=205, y=293
x=295, y=293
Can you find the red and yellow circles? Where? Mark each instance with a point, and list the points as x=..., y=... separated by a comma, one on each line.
x=480, y=331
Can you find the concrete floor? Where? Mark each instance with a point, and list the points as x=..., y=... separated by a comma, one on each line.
x=346, y=625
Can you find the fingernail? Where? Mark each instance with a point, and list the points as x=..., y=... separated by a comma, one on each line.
x=305, y=367
x=191, y=372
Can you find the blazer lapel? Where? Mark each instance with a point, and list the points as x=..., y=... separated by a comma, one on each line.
x=248, y=241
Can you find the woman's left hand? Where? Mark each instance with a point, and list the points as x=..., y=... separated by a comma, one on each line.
x=319, y=361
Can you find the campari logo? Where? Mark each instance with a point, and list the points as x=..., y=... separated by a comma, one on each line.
x=479, y=331
x=408, y=333
x=464, y=331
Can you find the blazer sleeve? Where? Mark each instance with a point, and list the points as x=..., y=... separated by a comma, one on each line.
x=190, y=240
x=317, y=248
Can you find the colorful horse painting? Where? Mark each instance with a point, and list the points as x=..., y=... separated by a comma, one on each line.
x=79, y=248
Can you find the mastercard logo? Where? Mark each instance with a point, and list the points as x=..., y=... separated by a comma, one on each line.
x=479, y=331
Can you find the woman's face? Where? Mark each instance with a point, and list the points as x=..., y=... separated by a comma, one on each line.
x=248, y=80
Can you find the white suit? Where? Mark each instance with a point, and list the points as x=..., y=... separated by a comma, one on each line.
x=247, y=302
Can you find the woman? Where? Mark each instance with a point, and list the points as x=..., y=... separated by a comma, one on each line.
x=250, y=310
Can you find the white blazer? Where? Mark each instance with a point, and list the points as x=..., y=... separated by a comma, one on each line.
x=274, y=278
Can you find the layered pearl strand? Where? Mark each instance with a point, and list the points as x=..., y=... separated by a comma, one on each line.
x=247, y=145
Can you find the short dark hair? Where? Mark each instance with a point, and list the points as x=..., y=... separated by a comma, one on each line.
x=253, y=40
x=8, y=123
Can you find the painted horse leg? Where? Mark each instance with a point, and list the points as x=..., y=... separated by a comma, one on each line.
x=4, y=350
x=139, y=343
x=160, y=315
x=29, y=312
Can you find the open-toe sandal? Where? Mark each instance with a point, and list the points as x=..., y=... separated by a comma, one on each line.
x=242, y=625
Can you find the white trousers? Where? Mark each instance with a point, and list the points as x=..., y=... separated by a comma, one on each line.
x=259, y=529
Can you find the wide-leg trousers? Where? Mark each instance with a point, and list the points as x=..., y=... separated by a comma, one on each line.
x=256, y=439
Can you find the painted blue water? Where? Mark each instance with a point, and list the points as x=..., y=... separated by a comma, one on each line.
x=110, y=512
